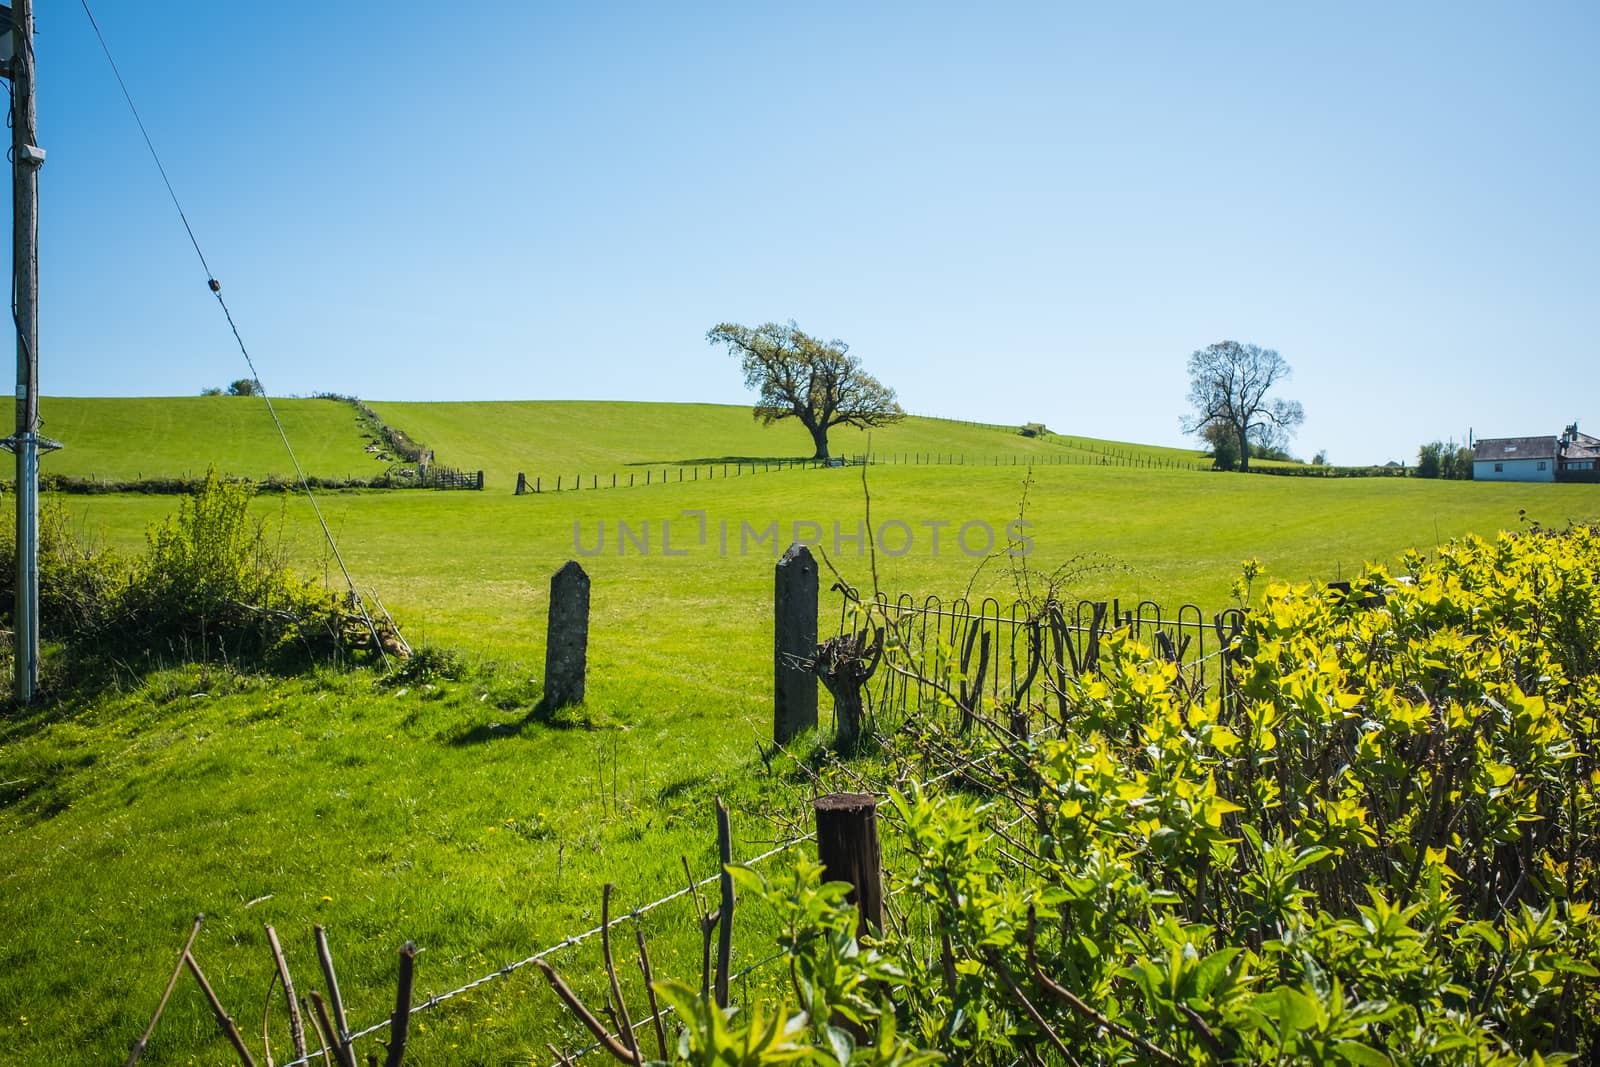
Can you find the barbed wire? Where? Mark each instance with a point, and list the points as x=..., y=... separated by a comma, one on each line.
x=668, y=1009
x=435, y=1000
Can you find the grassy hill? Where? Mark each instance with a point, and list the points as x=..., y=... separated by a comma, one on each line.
x=130, y=438
x=546, y=438
x=126, y=439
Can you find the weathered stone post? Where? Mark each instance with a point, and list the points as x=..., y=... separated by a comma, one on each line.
x=794, y=630
x=566, y=650
x=522, y=483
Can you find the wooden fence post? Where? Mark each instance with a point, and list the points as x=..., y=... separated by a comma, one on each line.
x=794, y=630
x=847, y=846
x=566, y=651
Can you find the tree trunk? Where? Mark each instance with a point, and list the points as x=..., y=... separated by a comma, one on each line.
x=819, y=436
x=1244, y=451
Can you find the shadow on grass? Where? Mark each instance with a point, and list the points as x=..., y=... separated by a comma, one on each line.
x=705, y=461
x=572, y=717
x=72, y=682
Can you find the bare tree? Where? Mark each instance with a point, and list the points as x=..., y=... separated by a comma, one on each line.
x=802, y=377
x=1228, y=386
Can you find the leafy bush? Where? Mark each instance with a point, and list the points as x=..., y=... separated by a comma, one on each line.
x=211, y=585
x=1224, y=447
x=78, y=582
x=1373, y=839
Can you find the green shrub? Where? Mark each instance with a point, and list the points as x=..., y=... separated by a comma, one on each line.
x=1374, y=840
x=78, y=582
x=211, y=586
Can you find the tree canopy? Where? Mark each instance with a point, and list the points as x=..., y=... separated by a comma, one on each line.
x=1436, y=459
x=1228, y=387
x=803, y=377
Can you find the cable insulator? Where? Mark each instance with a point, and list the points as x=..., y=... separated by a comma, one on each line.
x=216, y=286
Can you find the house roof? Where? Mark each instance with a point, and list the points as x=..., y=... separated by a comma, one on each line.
x=1502, y=448
x=1582, y=446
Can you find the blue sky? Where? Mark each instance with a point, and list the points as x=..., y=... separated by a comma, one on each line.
x=1011, y=213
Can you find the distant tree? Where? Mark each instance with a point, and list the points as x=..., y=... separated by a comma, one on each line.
x=1320, y=459
x=1266, y=449
x=1436, y=459
x=1224, y=448
x=1429, y=458
x=799, y=376
x=1228, y=387
x=244, y=387
x=211, y=390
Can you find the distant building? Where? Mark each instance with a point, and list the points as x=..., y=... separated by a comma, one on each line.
x=1577, y=457
x=1572, y=457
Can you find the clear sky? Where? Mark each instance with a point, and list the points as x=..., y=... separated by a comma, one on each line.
x=1011, y=213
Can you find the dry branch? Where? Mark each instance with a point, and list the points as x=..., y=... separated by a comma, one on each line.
x=325, y=1031
x=297, y=1027
x=650, y=991
x=400, y=1021
x=341, y=1034
x=224, y=1020
x=585, y=1016
x=177, y=969
x=625, y=1024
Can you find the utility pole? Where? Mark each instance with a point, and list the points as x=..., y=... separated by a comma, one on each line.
x=27, y=157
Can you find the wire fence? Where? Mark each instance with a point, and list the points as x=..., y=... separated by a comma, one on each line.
x=1012, y=654
x=570, y=941
x=1080, y=454
x=667, y=474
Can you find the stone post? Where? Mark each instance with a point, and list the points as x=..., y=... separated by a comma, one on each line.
x=794, y=690
x=566, y=652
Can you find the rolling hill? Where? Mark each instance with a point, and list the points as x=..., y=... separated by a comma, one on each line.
x=129, y=439
x=132, y=438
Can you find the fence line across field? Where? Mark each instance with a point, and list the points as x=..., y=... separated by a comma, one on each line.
x=567, y=942
x=692, y=472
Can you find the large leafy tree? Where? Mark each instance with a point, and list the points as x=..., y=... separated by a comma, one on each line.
x=1228, y=387
x=803, y=377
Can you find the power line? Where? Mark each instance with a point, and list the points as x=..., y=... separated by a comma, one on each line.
x=146, y=134
x=216, y=290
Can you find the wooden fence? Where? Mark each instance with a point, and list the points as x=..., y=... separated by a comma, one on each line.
x=437, y=477
x=563, y=483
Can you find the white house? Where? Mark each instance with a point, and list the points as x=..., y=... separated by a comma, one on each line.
x=1514, y=459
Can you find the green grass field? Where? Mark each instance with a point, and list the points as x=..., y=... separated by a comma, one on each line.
x=429, y=810
x=161, y=437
